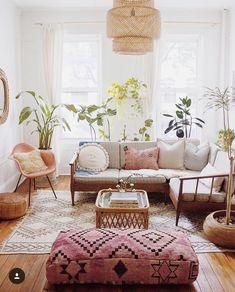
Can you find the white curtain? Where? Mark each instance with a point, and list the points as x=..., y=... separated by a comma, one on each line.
x=154, y=98
x=52, y=46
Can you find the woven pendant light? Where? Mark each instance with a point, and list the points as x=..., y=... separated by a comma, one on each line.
x=133, y=24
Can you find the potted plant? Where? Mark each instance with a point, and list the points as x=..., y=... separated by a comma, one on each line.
x=105, y=112
x=219, y=226
x=131, y=90
x=45, y=118
x=183, y=121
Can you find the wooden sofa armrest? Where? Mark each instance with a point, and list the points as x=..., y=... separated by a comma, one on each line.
x=73, y=164
x=203, y=176
x=197, y=178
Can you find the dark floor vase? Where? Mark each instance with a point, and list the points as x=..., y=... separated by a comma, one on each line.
x=218, y=233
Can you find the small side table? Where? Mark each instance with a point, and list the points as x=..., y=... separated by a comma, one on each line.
x=110, y=217
x=12, y=206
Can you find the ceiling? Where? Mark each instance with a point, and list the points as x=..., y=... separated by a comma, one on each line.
x=100, y=4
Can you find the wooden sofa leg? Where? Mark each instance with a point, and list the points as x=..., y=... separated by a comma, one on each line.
x=177, y=217
x=72, y=197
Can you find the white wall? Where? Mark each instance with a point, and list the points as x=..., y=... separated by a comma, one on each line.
x=116, y=68
x=10, y=133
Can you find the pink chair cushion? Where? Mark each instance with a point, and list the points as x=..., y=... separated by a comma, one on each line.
x=122, y=256
x=141, y=159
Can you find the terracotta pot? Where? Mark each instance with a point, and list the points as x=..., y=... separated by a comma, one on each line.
x=218, y=233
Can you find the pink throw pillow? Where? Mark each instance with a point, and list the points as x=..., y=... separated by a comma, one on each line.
x=141, y=159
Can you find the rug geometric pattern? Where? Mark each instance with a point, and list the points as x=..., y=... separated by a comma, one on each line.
x=40, y=226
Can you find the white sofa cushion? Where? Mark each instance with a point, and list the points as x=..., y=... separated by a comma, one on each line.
x=196, y=157
x=171, y=155
x=210, y=170
x=113, y=151
x=143, y=176
x=108, y=176
x=203, y=192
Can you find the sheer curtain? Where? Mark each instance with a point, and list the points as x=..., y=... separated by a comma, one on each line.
x=52, y=46
x=154, y=99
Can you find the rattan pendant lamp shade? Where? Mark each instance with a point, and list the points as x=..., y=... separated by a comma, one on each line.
x=133, y=24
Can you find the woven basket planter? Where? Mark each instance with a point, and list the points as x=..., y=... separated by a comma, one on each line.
x=218, y=233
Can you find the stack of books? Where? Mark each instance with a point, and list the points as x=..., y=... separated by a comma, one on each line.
x=124, y=200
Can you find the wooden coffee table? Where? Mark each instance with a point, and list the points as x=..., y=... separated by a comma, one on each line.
x=110, y=217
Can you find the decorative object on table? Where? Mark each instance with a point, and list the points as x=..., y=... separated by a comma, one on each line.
x=183, y=121
x=12, y=206
x=31, y=166
x=4, y=97
x=44, y=117
x=220, y=225
x=133, y=25
x=116, y=215
x=118, y=256
x=127, y=183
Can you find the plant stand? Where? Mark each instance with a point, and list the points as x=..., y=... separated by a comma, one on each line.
x=219, y=233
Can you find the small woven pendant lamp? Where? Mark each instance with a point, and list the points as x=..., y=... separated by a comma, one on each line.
x=133, y=24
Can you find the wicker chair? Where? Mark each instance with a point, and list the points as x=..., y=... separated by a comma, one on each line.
x=48, y=158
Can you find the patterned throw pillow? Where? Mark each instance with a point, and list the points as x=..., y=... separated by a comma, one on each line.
x=93, y=157
x=30, y=162
x=210, y=170
x=141, y=159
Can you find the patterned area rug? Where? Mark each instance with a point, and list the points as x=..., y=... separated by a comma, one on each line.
x=47, y=216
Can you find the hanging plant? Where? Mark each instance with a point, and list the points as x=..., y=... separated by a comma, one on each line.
x=131, y=90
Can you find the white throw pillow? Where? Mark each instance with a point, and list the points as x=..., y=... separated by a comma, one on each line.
x=171, y=155
x=93, y=157
x=210, y=170
x=30, y=162
x=196, y=157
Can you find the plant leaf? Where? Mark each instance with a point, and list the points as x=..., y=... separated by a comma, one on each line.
x=24, y=114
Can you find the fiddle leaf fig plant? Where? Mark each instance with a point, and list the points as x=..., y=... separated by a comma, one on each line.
x=45, y=118
x=183, y=121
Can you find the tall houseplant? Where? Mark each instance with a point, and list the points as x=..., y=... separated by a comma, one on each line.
x=183, y=120
x=223, y=100
x=45, y=118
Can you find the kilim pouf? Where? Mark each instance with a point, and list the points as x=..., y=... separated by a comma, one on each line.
x=12, y=205
x=121, y=256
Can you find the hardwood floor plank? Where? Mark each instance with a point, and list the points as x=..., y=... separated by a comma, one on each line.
x=216, y=272
x=210, y=274
x=223, y=272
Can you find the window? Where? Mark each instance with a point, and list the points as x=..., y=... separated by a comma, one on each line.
x=180, y=59
x=81, y=77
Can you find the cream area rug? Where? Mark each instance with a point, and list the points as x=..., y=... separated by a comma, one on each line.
x=46, y=217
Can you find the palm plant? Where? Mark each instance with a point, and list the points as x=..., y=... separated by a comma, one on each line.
x=44, y=116
x=183, y=121
x=223, y=100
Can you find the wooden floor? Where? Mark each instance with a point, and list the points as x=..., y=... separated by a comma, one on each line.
x=217, y=270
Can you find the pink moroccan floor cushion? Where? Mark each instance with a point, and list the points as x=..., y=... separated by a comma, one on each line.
x=122, y=256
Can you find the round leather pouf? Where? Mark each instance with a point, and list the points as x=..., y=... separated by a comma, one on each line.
x=12, y=205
